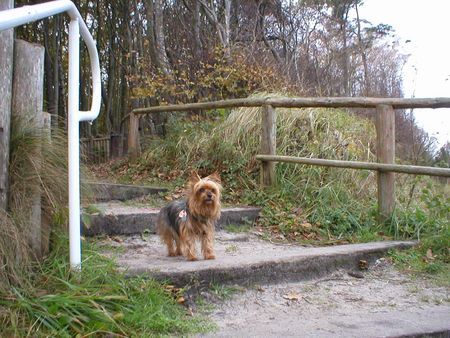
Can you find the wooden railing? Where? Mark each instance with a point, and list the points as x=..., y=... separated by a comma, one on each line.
x=385, y=126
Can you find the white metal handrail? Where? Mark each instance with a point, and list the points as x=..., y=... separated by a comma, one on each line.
x=18, y=16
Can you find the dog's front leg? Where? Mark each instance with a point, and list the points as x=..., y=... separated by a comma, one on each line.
x=208, y=244
x=188, y=245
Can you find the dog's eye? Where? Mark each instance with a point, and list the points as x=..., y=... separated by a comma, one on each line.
x=213, y=191
x=201, y=189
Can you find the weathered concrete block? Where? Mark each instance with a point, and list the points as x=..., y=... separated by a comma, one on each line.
x=127, y=220
x=246, y=262
x=121, y=192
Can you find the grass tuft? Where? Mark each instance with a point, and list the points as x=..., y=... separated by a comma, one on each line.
x=38, y=167
x=97, y=301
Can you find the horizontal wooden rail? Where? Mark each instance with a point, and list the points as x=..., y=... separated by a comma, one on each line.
x=305, y=102
x=406, y=169
x=385, y=126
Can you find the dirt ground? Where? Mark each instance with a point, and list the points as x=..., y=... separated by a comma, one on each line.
x=384, y=303
x=378, y=302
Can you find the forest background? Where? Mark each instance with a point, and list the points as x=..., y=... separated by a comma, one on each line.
x=155, y=51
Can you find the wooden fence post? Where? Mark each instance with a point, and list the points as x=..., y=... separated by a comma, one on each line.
x=268, y=144
x=6, y=68
x=385, y=125
x=27, y=103
x=133, y=136
x=114, y=145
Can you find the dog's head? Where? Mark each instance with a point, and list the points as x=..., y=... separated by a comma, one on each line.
x=204, y=195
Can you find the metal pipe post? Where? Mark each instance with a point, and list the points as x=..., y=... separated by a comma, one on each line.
x=74, y=145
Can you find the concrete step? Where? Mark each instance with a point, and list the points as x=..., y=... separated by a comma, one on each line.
x=122, y=219
x=104, y=191
x=385, y=303
x=243, y=259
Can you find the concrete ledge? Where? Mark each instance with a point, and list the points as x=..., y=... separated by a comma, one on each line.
x=121, y=192
x=247, y=263
x=118, y=219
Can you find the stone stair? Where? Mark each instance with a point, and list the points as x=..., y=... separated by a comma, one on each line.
x=245, y=258
x=104, y=191
x=115, y=218
x=242, y=258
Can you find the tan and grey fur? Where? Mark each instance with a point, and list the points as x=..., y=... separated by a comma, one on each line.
x=183, y=222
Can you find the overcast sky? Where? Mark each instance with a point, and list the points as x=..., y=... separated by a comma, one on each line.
x=427, y=74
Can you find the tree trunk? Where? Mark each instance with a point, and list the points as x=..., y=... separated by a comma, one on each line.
x=27, y=103
x=155, y=32
x=345, y=60
x=223, y=30
x=198, y=46
x=261, y=9
x=363, y=55
x=6, y=68
x=227, y=31
x=151, y=34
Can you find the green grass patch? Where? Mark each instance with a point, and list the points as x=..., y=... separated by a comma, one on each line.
x=224, y=292
x=92, y=209
x=415, y=262
x=97, y=301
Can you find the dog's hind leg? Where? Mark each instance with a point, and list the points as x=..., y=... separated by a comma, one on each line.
x=178, y=251
x=208, y=244
x=167, y=237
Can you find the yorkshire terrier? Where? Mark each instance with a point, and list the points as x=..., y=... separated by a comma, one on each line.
x=183, y=221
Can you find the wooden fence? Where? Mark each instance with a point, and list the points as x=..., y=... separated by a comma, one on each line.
x=385, y=126
x=102, y=149
x=95, y=150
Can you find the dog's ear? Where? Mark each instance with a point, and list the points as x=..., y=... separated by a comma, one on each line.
x=215, y=177
x=194, y=178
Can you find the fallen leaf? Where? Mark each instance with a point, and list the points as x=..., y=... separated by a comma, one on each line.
x=297, y=211
x=294, y=296
x=117, y=239
x=363, y=265
x=181, y=300
x=280, y=237
x=311, y=235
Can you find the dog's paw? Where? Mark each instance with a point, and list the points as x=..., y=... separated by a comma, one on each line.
x=210, y=256
x=192, y=258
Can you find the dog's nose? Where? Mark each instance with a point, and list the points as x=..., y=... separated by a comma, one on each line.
x=209, y=194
